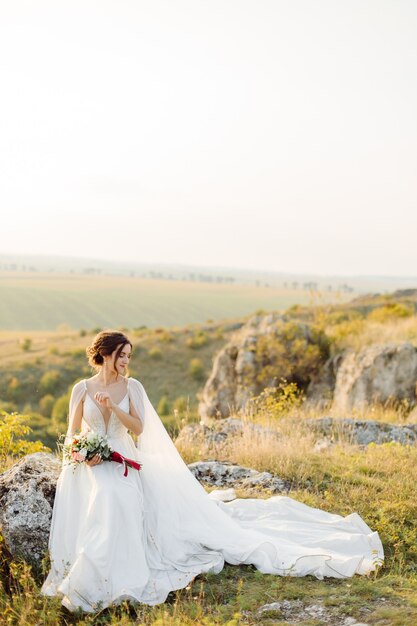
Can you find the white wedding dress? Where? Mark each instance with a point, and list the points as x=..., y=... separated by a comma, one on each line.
x=140, y=536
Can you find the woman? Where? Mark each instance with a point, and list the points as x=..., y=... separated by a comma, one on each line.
x=138, y=537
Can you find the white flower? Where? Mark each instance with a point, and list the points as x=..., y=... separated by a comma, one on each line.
x=83, y=452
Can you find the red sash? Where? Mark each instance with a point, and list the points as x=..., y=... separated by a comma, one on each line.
x=119, y=458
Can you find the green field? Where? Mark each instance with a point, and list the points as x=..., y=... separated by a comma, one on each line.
x=48, y=301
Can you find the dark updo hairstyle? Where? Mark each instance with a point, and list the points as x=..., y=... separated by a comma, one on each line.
x=104, y=344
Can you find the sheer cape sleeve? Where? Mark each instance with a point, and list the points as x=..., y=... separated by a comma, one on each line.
x=77, y=394
x=180, y=516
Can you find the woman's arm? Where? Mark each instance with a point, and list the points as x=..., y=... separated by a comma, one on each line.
x=131, y=420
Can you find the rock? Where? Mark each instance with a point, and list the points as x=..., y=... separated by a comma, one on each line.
x=361, y=432
x=295, y=611
x=329, y=430
x=27, y=492
x=272, y=607
x=378, y=373
x=224, y=474
x=322, y=444
x=264, y=350
x=351, y=621
x=320, y=391
x=232, y=326
x=220, y=430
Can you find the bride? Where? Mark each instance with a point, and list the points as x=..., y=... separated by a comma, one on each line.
x=138, y=536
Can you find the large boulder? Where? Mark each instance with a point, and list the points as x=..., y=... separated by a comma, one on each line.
x=27, y=492
x=376, y=374
x=219, y=430
x=363, y=432
x=224, y=474
x=266, y=350
x=320, y=391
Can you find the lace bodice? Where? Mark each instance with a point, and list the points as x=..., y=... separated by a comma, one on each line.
x=93, y=418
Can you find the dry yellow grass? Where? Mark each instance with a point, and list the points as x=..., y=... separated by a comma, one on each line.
x=361, y=333
x=377, y=481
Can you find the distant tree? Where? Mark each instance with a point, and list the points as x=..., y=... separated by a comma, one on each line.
x=26, y=344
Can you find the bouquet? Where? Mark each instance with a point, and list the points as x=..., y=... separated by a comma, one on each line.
x=85, y=447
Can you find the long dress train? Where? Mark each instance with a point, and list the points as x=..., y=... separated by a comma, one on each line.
x=140, y=536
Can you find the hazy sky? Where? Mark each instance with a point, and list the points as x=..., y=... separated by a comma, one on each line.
x=256, y=133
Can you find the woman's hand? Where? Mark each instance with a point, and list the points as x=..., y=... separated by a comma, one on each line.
x=103, y=398
x=94, y=461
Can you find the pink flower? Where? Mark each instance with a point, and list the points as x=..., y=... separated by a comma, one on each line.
x=76, y=456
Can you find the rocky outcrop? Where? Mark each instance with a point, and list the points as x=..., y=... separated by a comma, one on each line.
x=268, y=348
x=27, y=492
x=220, y=430
x=379, y=373
x=321, y=389
x=328, y=430
x=265, y=350
x=223, y=474
x=363, y=432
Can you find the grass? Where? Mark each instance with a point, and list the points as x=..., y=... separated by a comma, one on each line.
x=378, y=482
x=365, y=332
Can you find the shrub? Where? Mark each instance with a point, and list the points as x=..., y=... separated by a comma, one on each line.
x=46, y=404
x=49, y=381
x=163, y=406
x=275, y=402
x=390, y=311
x=59, y=414
x=296, y=353
x=155, y=353
x=14, y=389
x=347, y=329
x=166, y=337
x=180, y=404
x=26, y=344
x=78, y=352
x=12, y=428
x=197, y=340
x=53, y=350
x=40, y=429
x=196, y=369
x=7, y=407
